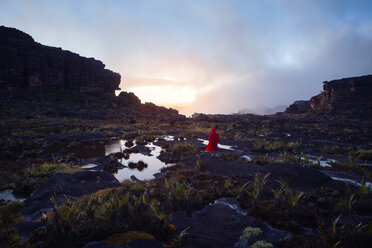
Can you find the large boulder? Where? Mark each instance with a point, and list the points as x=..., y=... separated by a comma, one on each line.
x=220, y=225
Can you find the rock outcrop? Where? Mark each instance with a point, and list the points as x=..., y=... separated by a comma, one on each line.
x=26, y=63
x=347, y=94
x=298, y=107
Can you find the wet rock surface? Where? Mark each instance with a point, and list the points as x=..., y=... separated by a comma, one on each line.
x=220, y=225
x=139, y=149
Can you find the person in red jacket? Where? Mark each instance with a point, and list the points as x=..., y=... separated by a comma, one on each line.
x=213, y=141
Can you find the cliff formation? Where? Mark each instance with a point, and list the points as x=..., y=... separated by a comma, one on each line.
x=350, y=96
x=26, y=63
x=347, y=94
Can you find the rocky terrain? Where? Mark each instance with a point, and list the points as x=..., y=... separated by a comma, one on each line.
x=81, y=169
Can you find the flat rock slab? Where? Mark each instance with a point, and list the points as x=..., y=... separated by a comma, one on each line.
x=136, y=243
x=59, y=186
x=297, y=176
x=220, y=225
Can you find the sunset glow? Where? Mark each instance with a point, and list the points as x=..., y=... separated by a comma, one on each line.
x=165, y=95
x=213, y=56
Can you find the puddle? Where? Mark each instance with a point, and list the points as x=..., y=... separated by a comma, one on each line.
x=154, y=165
x=226, y=147
x=116, y=147
x=7, y=195
x=168, y=137
x=323, y=162
x=88, y=166
x=231, y=203
x=247, y=157
x=351, y=178
x=288, y=134
x=353, y=182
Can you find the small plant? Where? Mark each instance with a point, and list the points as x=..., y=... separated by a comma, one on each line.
x=178, y=190
x=277, y=194
x=185, y=149
x=352, y=159
x=334, y=225
x=365, y=187
x=353, y=230
x=291, y=158
x=351, y=202
x=227, y=183
x=365, y=154
x=262, y=244
x=177, y=242
x=258, y=184
x=294, y=197
x=318, y=159
x=198, y=160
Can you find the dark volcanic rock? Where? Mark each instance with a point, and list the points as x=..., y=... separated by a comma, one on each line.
x=61, y=186
x=298, y=107
x=26, y=63
x=140, y=165
x=126, y=98
x=297, y=176
x=168, y=157
x=220, y=225
x=136, y=243
x=138, y=149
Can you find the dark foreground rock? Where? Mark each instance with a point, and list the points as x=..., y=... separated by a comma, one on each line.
x=136, y=243
x=297, y=176
x=220, y=225
x=59, y=186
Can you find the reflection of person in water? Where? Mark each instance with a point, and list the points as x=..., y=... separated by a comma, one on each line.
x=213, y=141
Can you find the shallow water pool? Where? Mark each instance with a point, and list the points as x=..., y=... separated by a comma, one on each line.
x=7, y=195
x=226, y=147
x=154, y=165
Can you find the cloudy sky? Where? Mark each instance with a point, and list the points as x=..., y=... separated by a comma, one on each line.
x=209, y=56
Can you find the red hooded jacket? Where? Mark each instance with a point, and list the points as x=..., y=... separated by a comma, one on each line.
x=213, y=141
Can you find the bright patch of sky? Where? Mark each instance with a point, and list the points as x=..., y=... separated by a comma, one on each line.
x=211, y=56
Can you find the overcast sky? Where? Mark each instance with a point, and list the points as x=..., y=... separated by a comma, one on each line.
x=209, y=56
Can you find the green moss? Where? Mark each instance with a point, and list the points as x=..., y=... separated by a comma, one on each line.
x=50, y=168
x=261, y=244
x=365, y=154
x=252, y=233
x=185, y=149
